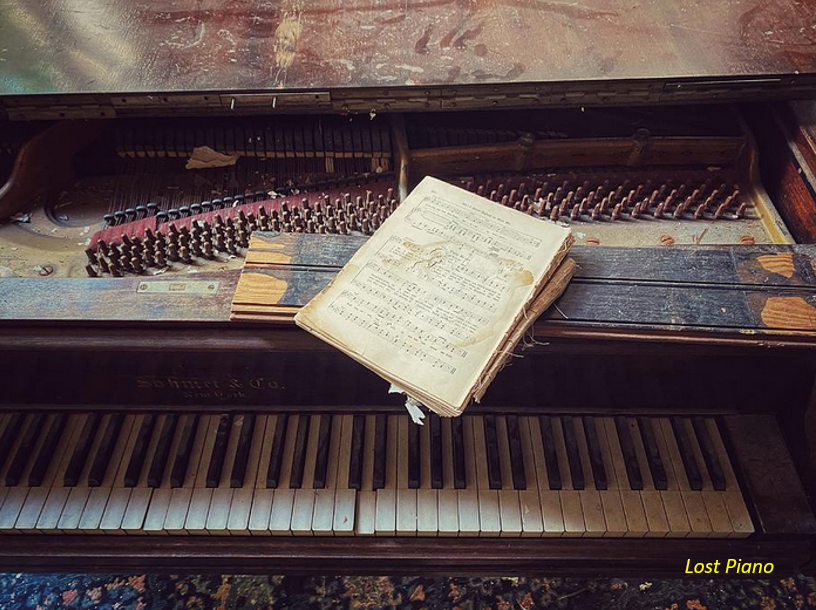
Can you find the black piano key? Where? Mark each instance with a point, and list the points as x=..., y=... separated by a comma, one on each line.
x=276, y=455
x=436, y=450
x=380, y=438
x=516, y=453
x=356, y=460
x=595, y=456
x=239, y=465
x=184, y=452
x=106, y=446
x=413, y=456
x=653, y=454
x=712, y=461
x=550, y=453
x=492, y=448
x=695, y=480
x=573, y=455
x=18, y=464
x=15, y=421
x=159, y=461
x=629, y=456
x=322, y=459
x=81, y=450
x=299, y=454
x=459, y=474
x=139, y=454
x=219, y=451
x=47, y=450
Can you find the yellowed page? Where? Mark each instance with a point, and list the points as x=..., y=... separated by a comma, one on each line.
x=433, y=294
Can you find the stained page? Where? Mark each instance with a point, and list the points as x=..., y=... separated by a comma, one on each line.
x=433, y=294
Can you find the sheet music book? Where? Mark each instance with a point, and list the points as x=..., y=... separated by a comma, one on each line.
x=436, y=299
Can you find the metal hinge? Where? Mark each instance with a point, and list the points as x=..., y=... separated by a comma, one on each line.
x=274, y=101
x=33, y=113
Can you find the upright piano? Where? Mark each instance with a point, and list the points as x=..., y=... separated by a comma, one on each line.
x=662, y=410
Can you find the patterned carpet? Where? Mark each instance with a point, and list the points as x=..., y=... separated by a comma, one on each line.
x=170, y=592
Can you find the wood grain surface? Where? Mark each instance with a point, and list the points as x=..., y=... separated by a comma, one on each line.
x=168, y=46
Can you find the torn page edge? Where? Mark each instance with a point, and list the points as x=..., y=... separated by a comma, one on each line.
x=413, y=406
x=553, y=289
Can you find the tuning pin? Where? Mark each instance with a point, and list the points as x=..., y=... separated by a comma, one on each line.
x=597, y=210
x=658, y=211
x=720, y=210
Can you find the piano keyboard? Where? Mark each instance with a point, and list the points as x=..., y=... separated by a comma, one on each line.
x=367, y=474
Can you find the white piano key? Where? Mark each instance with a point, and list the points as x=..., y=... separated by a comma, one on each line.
x=221, y=501
x=367, y=497
x=37, y=496
x=115, y=510
x=57, y=493
x=133, y=519
x=163, y=495
x=448, y=496
x=679, y=526
x=734, y=502
x=509, y=503
x=242, y=498
x=303, y=508
x=199, y=508
x=570, y=497
x=386, y=507
x=591, y=504
x=157, y=511
x=532, y=523
x=406, y=498
x=551, y=513
x=468, y=498
x=714, y=501
x=427, y=498
x=15, y=496
x=139, y=502
x=280, y=518
x=325, y=499
x=181, y=497
x=69, y=521
x=700, y=525
x=636, y=524
x=614, y=513
x=91, y=519
x=656, y=517
x=489, y=513
x=116, y=506
x=345, y=497
x=262, y=498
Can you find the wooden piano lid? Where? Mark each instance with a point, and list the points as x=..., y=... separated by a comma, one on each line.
x=362, y=55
